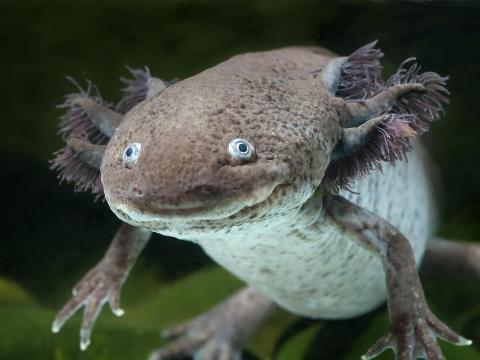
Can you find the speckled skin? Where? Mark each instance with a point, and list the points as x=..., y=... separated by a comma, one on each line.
x=260, y=220
x=309, y=266
x=272, y=98
x=275, y=219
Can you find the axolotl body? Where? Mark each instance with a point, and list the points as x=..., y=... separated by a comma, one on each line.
x=272, y=163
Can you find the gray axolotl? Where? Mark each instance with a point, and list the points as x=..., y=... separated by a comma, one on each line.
x=286, y=167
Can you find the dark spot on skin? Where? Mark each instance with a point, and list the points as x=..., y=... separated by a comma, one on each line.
x=222, y=162
x=206, y=189
x=265, y=271
x=137, y=190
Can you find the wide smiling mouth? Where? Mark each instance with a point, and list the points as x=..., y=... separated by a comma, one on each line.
x=146, y=215
x=140, y=210
x=131, y=213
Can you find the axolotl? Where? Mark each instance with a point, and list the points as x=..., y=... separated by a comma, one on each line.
x=287, y=167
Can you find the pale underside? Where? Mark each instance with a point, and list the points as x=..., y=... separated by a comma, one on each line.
x=316, y=270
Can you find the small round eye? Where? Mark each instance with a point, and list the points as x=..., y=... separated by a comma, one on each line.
x=131, y=153
x=241, y=149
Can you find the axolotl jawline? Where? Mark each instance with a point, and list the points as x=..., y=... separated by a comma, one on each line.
x=270, y=161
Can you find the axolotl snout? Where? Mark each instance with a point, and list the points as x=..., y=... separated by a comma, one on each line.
x=270, y=162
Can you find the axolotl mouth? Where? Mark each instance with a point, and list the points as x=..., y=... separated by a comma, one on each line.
x=137, y=214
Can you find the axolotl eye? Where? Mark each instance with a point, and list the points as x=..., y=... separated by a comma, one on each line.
x=241, y=149
x=131, y=153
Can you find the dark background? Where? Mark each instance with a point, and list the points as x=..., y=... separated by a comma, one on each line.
x=50, y=235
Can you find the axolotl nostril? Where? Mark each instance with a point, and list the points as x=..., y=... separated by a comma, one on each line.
x=270, y=161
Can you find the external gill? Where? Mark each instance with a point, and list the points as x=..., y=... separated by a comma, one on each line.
x=362, y=111
x=86, y=127
x=360, y=75
x=88, y=124
x=353, y=139
x=79, y=108
x=79, y=162
x=88, y=153
x=101, y=118
x=378, y=129
x=143, y=86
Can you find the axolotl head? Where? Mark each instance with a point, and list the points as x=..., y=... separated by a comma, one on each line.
x=246, y=140
x=233, y=141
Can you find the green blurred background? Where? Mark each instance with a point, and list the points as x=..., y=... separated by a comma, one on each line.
x=51, y=236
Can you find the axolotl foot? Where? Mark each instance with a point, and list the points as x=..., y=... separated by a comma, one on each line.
x=98, y=287
x=221, y=332
x=416, y=338
x=104, y=282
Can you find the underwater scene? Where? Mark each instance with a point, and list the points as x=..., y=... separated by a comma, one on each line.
x=63, y=67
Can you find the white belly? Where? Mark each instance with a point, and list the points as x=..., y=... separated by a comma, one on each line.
x=319, y=272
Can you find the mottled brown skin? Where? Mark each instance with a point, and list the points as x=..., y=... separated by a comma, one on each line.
x=185, y=184
x=262, y=97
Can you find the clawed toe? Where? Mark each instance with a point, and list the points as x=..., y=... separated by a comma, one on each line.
x=444, y=332
x=384, y=343
x=410, y=342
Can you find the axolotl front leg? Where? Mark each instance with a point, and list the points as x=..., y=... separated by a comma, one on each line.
x=103, y=283
x=414, y=327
